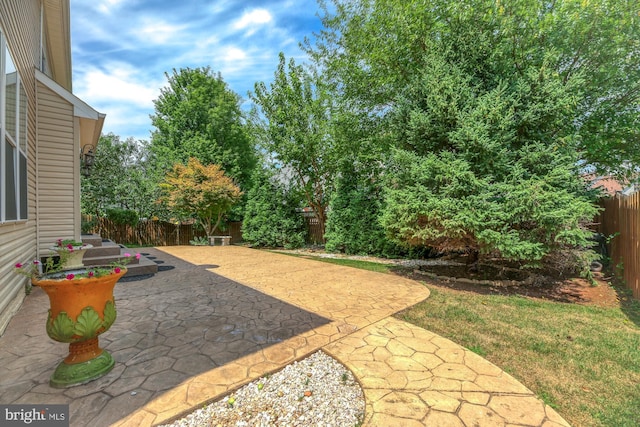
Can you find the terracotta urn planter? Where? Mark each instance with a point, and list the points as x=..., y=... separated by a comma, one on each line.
x=81, y=310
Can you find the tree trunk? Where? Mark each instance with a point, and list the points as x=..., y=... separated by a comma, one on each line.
x=319, y=211
x=473, y=257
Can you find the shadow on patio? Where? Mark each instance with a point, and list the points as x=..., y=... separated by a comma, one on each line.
x=171, y=327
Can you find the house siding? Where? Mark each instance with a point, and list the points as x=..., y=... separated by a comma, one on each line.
x=18, y=239
x=53, y=144
x=57, y=155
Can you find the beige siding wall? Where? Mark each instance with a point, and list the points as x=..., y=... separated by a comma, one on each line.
x=18, y=240
x=16, y=245
x=15, y=18
x=58, y=170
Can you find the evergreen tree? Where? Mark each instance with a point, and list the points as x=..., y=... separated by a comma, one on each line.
x=271, y=218
x=487, y=170
x=353, y=224
x=493, y=109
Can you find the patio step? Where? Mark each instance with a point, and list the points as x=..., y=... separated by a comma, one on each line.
x=105, y=252
x=92, y=239
x=107, y=248
x=144, y=266
x=109, y=259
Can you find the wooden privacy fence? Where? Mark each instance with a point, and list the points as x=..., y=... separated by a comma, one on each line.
x=161, y=233
x=158, y=233
x=621, y=217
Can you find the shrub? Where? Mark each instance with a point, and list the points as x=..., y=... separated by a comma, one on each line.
x=353, y=225
x=199, y=241
x=123, y=216
x=270, y=218
x=88, y=225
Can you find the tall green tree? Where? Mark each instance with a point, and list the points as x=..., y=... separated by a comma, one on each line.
x=294, y=123
x=120, y=178
x=493, y=109
x=372, y=50
x=353, y=226
x=197, y=115
x=271, y=216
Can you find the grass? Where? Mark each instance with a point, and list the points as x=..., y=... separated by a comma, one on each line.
x=584, y=361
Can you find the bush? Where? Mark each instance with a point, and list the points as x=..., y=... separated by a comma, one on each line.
x=199, y=241
x=270, y=217
x=123, y=216
x=353, y=225
x=88, y=225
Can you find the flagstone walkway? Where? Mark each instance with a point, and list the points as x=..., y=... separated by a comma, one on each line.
x=227, y=315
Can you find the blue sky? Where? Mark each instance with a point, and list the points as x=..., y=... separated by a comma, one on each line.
x=122, y=48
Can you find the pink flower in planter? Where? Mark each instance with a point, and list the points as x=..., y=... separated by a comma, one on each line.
x=90, y=274
x=137, y=256
x=70, y=276
x=117, y=270
x=127, y=254
x=18, y=265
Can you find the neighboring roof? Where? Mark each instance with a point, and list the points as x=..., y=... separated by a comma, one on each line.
x=609, y=185
x=57, y=26
x=91, y=121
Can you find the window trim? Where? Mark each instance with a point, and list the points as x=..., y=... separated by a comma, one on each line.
x=19, y=142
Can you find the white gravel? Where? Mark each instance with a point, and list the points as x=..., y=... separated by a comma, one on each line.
x=390, y=261
x=317, y=391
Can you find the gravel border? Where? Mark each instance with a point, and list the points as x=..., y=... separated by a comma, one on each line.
x=389, y=261
x=317, y=391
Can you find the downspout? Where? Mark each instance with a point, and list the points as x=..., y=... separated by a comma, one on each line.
x=37, y=135
x=37, y=172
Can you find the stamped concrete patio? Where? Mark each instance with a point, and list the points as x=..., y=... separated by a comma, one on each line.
x=224, y=316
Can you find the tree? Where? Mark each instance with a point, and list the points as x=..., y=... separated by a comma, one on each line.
x=372, y=50
x=203, y=191
x=489, y=170
x=297, y=131
x=271, y=218
x=492, y=109
x=353, y=226
x=120, y=178
x=197, y=115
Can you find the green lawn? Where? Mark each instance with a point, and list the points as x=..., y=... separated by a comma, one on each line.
x=584, y=361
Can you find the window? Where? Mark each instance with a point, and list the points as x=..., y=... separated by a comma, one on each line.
x=13, y=140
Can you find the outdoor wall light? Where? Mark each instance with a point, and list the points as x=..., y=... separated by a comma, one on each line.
x=87, y=157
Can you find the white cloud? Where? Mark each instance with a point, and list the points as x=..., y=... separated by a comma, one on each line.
x=253, y=18
x=119, y=82
x=234, y=60
x=158, y=32
x=107, y=6
x=233, y=54
x=126, y=121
